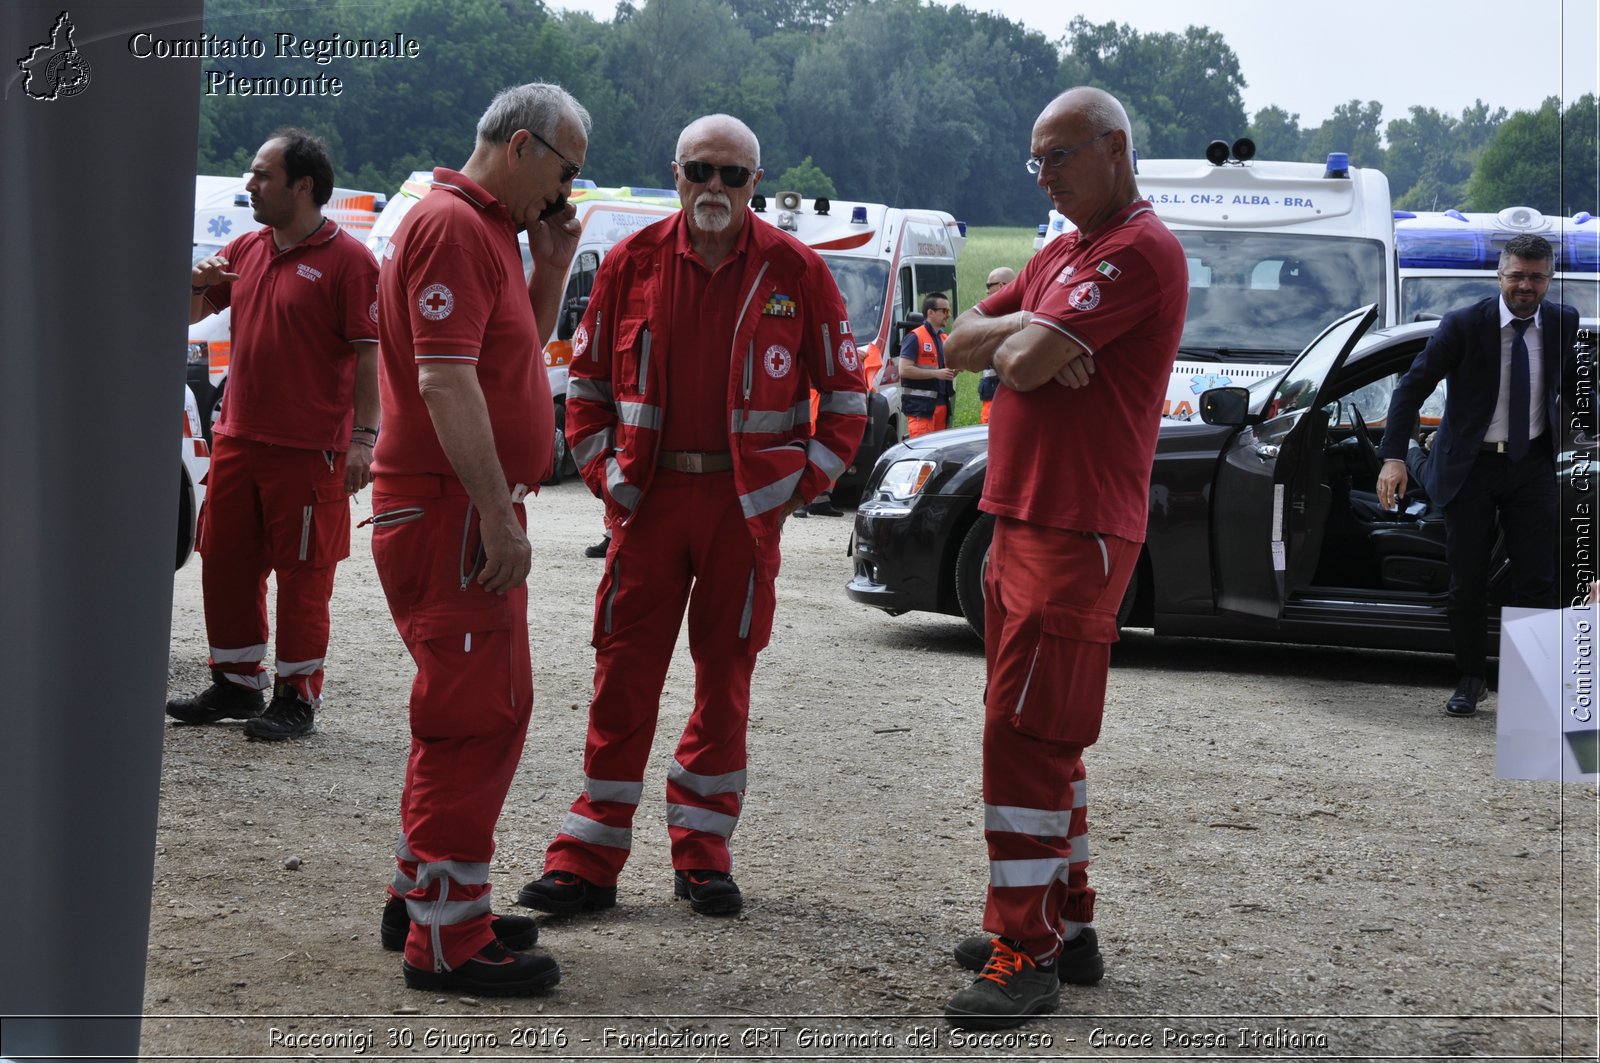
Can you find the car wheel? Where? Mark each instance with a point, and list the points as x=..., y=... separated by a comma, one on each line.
x=215, y=411
x=971, y=561
x=185, y=516
x=1129, y=597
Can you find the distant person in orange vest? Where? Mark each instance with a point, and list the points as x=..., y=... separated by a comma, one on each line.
x=926, y=385
x=989, y=382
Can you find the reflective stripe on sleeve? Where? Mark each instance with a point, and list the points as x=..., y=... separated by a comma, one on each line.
x=732, y=782
x=830, y=463
x=845, y=402
x=593, y=446
x=701, y=819
x=623, y=793
x=596, y=833
x=765, y=499
x=590, y=390
x=640, y=415
x=770, y=420
x=621, y=491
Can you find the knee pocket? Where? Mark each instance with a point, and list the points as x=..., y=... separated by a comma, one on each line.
x=1063, y=698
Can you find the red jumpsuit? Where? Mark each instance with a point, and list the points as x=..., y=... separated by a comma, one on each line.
x=1068, y=482
x=275, y=498
x=663, y=384
x=452, y=291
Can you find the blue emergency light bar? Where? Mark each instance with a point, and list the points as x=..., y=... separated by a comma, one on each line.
x=1465, y=247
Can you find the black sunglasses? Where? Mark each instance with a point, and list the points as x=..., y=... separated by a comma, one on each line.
x=700, y=172
x=569, y=169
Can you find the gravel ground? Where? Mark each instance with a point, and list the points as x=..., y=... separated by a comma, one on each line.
x=1297, y=854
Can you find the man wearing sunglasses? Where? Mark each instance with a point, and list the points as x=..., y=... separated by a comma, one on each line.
x=688, y=411
x=1083, y=340
x=468, y=425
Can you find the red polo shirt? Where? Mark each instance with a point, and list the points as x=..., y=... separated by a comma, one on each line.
x=1079, y=458
x=452, y=291
x=295, y=314
x=701, y=309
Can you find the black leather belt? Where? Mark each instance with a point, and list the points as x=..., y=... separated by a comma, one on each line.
x=1500, y=446
x=695, y=460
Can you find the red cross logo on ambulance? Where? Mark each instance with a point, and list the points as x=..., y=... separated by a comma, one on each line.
x=848, y=356
x=1085, y=296
x=778, y=361
x=580, y=342
x=436, y=302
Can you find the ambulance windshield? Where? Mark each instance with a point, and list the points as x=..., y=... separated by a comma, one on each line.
x=1424, y=298
x=864, y=283
x=1255, y=295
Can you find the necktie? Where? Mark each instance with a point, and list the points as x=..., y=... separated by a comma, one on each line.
x=1517, y=412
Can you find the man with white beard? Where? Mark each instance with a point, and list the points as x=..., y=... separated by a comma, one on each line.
x=689, y=414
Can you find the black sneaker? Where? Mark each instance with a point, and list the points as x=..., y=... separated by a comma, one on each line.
x=495, y=971
x=563, y=893
x=1079, y=962
x=1011, y=990
x=515, y=932
x=708, y=892
x=824, y=507
x=598, y=549
x=287, y=717
x=221, y=700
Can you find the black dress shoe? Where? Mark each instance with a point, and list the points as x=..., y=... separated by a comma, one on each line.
x=1464, y=702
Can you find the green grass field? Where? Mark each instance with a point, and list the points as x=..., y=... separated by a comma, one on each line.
x=986, y=248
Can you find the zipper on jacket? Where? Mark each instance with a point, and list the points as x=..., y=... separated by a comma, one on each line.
x=644, y=361
x=305, y=532
x=594, y=345
x=827, y=349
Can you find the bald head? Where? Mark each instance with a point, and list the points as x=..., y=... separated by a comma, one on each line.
x=725, y=130
x=1085, y=148
x=999, y=277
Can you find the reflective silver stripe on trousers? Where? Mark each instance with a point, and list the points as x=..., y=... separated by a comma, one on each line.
x=611, y=599
x=701, y=819
x=403, y=883
x=297, y=667
x=706, y=785
x=446, y=913
x=1033, y=873
x=596, y=833
x=770, y=497
x=846, y=402
x=770, y=420
x=468, y=874
x=1036, y=822
x=640, y=415
x=259, y=681
x=591, y=447
x=621, y=491
x=589, y=390
x=624, y=793
x=831, y=464
x=242, y=655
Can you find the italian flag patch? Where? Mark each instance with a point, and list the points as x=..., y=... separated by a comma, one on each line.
x=1107, y=270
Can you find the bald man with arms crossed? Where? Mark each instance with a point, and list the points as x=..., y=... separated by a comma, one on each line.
x=1084, y=341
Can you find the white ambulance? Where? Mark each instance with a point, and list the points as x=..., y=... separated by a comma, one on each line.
x=195, y=460
x=221, y=214
x=1276, y=251
x=1448, y=259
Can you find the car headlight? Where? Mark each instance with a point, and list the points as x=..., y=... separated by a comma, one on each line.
x=199, y=354
x=905, y=479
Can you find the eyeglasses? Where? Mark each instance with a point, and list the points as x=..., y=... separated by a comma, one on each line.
x=1531, y=278
x=569, y=169
x=700, y=172
x=1060, y=156
x=939, y=310
x=992, y=285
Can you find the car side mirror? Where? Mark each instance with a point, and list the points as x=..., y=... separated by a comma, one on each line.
x=1225, y=406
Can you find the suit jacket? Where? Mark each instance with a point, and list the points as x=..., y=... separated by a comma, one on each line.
x=1465, y=350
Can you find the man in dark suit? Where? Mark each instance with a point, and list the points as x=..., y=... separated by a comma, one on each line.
x=1505, y=359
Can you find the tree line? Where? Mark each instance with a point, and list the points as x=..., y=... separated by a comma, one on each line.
x=894, y=101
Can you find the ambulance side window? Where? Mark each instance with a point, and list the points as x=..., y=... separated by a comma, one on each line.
x=905, y=295
x=576, y=299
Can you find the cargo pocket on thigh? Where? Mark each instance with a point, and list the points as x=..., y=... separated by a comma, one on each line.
x=325, y=525
x=466, y=670
x=1064, y=696
x=761, y=597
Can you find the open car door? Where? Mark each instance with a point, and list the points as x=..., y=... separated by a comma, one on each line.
x=1271, y=500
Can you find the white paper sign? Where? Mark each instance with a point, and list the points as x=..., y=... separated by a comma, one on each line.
x=1548, y=726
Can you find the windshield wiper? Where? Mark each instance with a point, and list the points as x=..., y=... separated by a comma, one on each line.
x=1238, y=354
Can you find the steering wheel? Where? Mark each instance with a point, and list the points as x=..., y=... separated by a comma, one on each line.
x=1369, y=452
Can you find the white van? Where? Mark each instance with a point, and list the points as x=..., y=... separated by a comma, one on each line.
x=1448, y=259
x=1276, y=250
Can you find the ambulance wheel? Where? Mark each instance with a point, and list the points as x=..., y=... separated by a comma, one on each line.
x=971, y=561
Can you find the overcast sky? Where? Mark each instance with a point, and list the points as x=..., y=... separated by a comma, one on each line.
x=1308, y=58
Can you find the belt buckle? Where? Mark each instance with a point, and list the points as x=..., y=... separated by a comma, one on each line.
x=693, y=461
x=1500, y=446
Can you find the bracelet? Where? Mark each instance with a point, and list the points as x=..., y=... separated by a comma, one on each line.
x=198, y=290
x=364, y=428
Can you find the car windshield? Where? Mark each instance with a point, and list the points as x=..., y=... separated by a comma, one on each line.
x=863, y=282
x=1270, y=294
x=1422, y=298
x=1298, y=388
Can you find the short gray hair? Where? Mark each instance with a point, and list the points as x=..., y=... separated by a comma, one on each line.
x=1530, y=247
x=537, y=107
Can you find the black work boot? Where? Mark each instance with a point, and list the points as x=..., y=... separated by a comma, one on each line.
x=286, y=717
x=222, y=700
x=515, y=932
